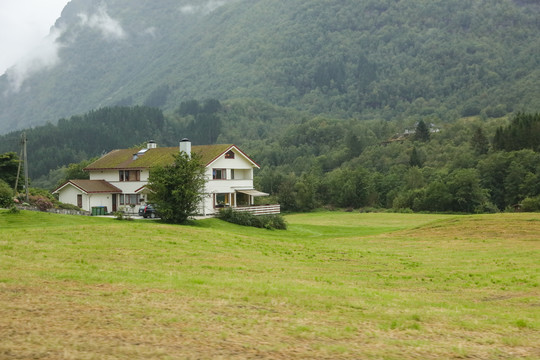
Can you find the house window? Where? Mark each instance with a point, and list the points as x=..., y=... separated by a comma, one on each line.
x=229, y=154
x=222, y=200
x=219, y=174
x=129, y=175
x=129, y=199
x=232, y=174
x=242, y=199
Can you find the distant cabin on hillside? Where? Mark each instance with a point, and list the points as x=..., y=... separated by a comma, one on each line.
x=118, y=179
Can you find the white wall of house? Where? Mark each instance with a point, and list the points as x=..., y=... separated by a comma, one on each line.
x=129, y=187
x=206, y=207
x=239, y=162
x=99, y=200
x=239, y=175
x=113, y=176
x=68, y=195
x=227, y=185
x=104, y=175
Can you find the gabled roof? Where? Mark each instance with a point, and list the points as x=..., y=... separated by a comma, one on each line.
x=233, y=147
x=91, y=186
x=141, y=189
x=125, y=159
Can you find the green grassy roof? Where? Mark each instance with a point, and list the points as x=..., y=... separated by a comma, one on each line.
x=123, y=159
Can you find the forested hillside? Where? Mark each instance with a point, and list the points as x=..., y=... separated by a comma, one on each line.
x=470, y=165
x=361, y=59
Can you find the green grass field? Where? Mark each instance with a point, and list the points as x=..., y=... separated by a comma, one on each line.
x=333, y=286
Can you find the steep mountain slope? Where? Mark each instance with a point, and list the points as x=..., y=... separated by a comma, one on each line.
x=363, y=58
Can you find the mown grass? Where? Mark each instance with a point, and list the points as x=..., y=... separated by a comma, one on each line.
x=335, y=285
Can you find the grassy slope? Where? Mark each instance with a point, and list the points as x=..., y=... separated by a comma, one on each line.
x=335, y=285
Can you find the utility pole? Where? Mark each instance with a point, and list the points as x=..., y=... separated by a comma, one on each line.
x=25, y=166
x=18, y=171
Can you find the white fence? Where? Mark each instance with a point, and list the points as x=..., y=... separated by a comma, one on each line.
x=261, y=209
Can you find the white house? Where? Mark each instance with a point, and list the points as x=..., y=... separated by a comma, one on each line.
x=118, y=179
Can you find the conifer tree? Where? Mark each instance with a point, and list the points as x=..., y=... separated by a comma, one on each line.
x=422, y=131
x=479, y=142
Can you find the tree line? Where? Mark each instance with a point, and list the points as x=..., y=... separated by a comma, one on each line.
x=456, y=168
x=307, y=162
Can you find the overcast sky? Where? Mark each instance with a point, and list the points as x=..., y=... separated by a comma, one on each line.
x=23, y=23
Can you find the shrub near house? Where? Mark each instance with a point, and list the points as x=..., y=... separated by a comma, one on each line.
x=247, y=219
x=6, y=195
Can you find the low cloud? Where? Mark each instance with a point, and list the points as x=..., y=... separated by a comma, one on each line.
x=189, y=9
x=204, y=8
x=44, y=57
x=110, y=28
x=151, y=31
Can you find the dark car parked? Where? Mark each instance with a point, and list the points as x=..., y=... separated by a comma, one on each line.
x=148, y=210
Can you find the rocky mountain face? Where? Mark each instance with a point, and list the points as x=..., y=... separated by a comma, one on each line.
x=349, y=58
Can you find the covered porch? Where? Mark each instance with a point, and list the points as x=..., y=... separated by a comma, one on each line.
x=244, y=200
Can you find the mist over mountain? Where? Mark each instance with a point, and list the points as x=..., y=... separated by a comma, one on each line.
x=349, y=58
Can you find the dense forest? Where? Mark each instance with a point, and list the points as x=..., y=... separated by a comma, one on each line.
x=455, y=169
x=361, y=59
x=408, y=105
x=471, y=165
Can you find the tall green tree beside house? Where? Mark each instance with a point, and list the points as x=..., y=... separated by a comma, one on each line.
x=177, y=189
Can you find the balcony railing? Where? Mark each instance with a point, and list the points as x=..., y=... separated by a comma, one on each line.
x=260, y=209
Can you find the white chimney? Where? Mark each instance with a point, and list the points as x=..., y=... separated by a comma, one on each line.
x=151, y=144
x=185, y=146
